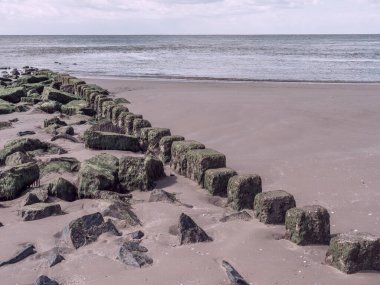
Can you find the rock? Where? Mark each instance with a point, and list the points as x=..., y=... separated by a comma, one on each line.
x=353, y=252
x=26, y=133
x=137, y=235
x=35, y=196
x=54, y=259
x=60, y=165
x=18, y=158
x=190, y=232
x=44, y=280
x=98, y=173
x=35, y=78
x=308, y=225
x=270, y=207
x=1, y=225
x=242, y=215
x=131, y=253
x=233, y=275
x=23, y=253
x=121, y=101
x=66, y=137
x=54, y=121
x=31, y=99
x=5, y=125
x=68, y=88
x=241, y=191
x=67, y=130
x=63, y=189
x=216, y=180
x=129, y=121
x=87, y=229
x=40, y=211
x=116, y=112
x=179, y=150
x=15, y=180
x=59, y=96
x=111, y=141
x=165, y=146
x=77, y=107
x=6, y=107
x=122, y=211
x=139, y=173
x=138, y=124
x=150, y=139
x=51, y=107
x=159, y=195
x=12, y=95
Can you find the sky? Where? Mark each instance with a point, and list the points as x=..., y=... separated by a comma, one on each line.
x=69, y=17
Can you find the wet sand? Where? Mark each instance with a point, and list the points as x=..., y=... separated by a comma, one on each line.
x=320, y=142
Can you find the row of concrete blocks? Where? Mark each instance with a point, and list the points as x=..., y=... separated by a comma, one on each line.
x=349, y=252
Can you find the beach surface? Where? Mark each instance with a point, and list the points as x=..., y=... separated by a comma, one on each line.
x=320, y=142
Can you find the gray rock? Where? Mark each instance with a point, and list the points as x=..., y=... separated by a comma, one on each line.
x=63, y=189
x=122, y=211
x=137, y=235
x=159, y=195
x=233, y=275
x=18, y=158
x=54, y=259
x=243, y=216
x=190, y=232
x=131, y=253
x=44, y=280
x=34, y=197
x=23, y=253
x=40, y=211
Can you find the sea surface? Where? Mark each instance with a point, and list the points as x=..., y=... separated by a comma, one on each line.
x=331, y=58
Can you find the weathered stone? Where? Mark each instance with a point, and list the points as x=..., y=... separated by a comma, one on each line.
x=51, y=107
x=34, y=197
x=137, y=235
x=111, y=141
x=44, y=280
x=122, y=211
x=121, y=120
x=353, y=252
x=308, y=225
x=63, y=189
x=54, y=259
x=154, y=168
x=18, y=158
x=6, y=107
x=98, y=173
x=121, y=101
x=234, y=276
x=54, y=121
x=150, y=139
x=77, y=107
x=138, y=124
x=216, y=180
x=23, y=253
x=67, y=130
x=15, y=180
x=133, y=254
x=165, y=147
x=190, y=232
x=270, y=207
x=159, y=195
x=179, y=150
x=60, y=165
x=40, y=211
x=68, y=88
x=128, y=123
x=243, y=216
x=12, y=95
x=87, y=229
x=241, y=191
x=5, y=125
x=31, y=100
x=116, y=112
x=59, y=96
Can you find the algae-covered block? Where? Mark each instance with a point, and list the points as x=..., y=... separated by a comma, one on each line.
x=353, y=252
x=150, y=138
x=116, y=111
x=121, y=119
x=138, y=124
x=18, y=158
x=99, y=101
x=98, y=173
x=241, y=191
x=199, y=160
x=75, y=107
x=12, y=95
x=40, y=211
x=128, y=123
x=179, y=150
x=165, y=147
x=15, y=180
x=50, y=107
x=111, y=141
x=270, y=207
x=59, y=96
x=308, y=225
x=6, y=107
x=216, y=180
x=106, y=109
x=63, y=189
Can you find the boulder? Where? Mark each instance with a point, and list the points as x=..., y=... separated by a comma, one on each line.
x=159, y=195
x=15, y=180
x=18, y=158
x=60, y=165
x=179, y=150
x=54, y=259
x=190, y=232
x=308, y=225
x=59, y=96
x=137, y=235
x=242, y=216
x=35, y=196
x=40, y=211
x=77, y=107
x=6, y=107
x=234, y=276
x=133, y=254
x=12, y=95
x=87, y=229
x=241, y=191
x=98, y=173
x=150, y=139
x=154, y=168
x=216, y=180
x=111, y=141
x=165, y=147
x=51, y=107
x=138, y=124
x=270, y=207
x=122, y=211
x=353, y=252
x=44, y=280
x=63, y=189
x=21, y=254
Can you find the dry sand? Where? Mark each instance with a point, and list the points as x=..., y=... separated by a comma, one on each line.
x=321, y=142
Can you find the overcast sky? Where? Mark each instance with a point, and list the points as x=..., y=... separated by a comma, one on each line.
x=189, y=16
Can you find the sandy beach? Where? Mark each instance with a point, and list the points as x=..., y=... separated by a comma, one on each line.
x=319, y=142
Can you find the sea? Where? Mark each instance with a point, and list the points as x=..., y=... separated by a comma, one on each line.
x=305, y=58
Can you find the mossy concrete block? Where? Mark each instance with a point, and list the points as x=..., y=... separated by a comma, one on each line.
x=40, y=211
x=270, y=207
x=154, y=167
x=128, y=123
x=116, y=112
x=353, y=252
x=60, y=165
x=121, y=119
x=308, y=225
x=54, y=121
x=63, y=189
x=50, y=107
x=15, y=180
x=178, y=151
x=216, y=180
x=111, y=141
x=98, y=173
x=12, y=95
x=75, y=107
x=150, y=139
x=200, y=160
x=6, y=107
x=241, y=191
x=139, y=124
x=165, y=147
x=59, y=96
x=18, y=158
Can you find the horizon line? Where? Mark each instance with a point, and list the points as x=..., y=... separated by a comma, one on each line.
x=264, y=34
